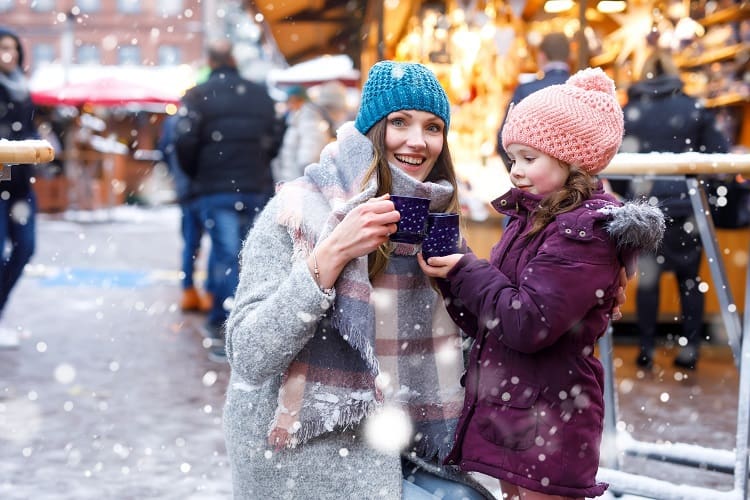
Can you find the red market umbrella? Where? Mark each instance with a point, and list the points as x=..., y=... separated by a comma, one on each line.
x=104, y=91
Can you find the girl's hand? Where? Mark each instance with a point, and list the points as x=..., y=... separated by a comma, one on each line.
x=621, y=297
x=438, y=267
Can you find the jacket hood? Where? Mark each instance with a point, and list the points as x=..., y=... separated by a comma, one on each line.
x=660, y=86
x=636, y=225
x=633, y=226
x=7, y=32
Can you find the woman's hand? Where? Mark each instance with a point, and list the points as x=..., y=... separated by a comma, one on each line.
x=362, y=231
x=365, y=228
x=438, y=267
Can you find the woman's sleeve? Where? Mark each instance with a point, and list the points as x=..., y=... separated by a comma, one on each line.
x=277, y=305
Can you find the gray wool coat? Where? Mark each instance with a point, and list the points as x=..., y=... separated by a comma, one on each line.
x=284, y=298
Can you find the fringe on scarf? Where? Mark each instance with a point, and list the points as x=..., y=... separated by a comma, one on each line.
x=351, y=416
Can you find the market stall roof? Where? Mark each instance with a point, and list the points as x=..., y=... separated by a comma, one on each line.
x=315, y=71
x=104, y=91
x=304, y=29
x=54, y=85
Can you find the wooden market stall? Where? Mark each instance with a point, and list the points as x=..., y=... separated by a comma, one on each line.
x=480, y=50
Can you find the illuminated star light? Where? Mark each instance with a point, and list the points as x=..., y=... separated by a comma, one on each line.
x=635, y=26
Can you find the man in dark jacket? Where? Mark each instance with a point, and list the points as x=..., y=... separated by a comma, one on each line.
x=552, y=58
x=226, y=138
x=17, y=200
x=660, y=117
x=191, y=223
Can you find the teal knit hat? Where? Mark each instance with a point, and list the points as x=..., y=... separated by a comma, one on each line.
x=392, y=86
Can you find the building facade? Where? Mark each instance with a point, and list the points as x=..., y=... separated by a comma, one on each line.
x=109, y=32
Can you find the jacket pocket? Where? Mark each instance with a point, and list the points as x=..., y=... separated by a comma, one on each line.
x=511, y=418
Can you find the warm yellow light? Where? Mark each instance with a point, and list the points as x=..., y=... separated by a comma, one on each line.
x=611, y=6
x=556, y=6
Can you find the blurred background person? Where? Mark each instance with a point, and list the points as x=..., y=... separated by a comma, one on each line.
x=331, y=98
x=660, y=117
x=310, y=125
x=191, y=225
x=552, y=59
x=225, y=142
x=18, y=205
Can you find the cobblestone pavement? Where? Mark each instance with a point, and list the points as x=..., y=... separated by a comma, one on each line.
x=111, y=394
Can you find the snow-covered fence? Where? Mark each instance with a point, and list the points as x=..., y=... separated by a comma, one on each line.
x=29, y=151
x=685, y=166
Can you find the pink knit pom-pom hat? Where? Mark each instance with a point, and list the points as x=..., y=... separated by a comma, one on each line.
x=579, y=122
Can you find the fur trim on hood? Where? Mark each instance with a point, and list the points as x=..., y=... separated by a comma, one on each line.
x=636, y=225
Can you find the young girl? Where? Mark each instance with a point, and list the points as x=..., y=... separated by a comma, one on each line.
x=533, y=412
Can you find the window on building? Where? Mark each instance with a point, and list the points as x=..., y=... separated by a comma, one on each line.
x=170, y=7
x=129, y=55
x=169, y=55
x=43, y=5
x=43, y=53
x=89, y=5
x=129, y=6
x=88, y=54
x=6, y=5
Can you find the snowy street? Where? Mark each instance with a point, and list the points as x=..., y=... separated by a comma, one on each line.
x=111, y=394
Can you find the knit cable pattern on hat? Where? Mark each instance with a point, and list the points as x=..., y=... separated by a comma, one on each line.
x=393, y=86
x=579, y=122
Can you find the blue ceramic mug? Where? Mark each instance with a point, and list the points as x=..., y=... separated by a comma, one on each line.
x=443, y=235
x=414, y=211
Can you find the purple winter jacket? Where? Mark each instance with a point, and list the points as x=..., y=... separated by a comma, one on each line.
x=534, y=409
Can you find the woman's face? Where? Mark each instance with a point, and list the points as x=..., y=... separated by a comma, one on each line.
x=536, y=172
x=8, y=54
x=413, y=141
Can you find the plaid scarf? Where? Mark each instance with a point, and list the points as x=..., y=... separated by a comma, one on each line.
x=395, y=330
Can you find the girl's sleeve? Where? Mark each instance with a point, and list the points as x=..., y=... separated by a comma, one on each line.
x=554, y=292
x=460, y=315
x=277, y=305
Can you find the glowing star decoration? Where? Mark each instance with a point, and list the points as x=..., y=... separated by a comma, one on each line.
x=635, y=25
x=388, y=429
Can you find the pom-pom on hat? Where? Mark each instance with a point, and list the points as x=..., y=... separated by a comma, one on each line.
x=579, y=122
x=392, y=86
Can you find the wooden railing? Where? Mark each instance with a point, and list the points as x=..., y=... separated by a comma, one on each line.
x=29, y=151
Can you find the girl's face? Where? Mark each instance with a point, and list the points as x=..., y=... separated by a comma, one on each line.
x=536, y=172
x=413, y=141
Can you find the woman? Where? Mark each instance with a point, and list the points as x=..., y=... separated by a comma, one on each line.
x=334, y=328
x=18, y=204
